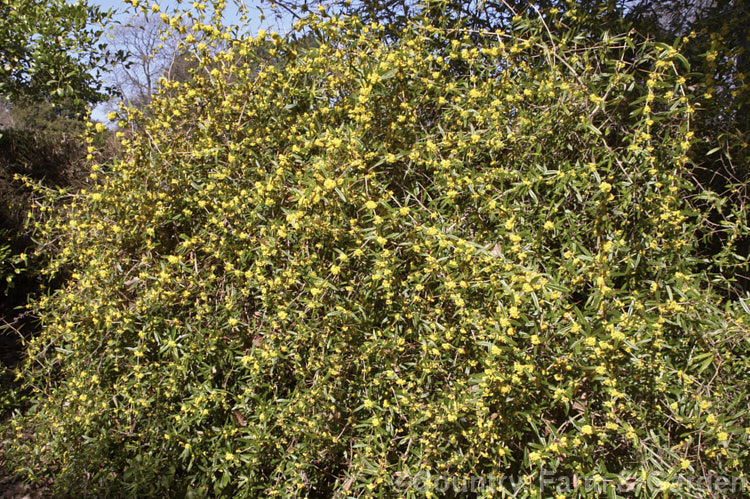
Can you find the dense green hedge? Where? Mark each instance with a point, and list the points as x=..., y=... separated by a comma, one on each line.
x=373, y=266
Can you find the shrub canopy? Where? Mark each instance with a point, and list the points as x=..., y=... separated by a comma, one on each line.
x=52, y=52
x=368, y=261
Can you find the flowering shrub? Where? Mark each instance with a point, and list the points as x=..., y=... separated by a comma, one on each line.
x=366, y=259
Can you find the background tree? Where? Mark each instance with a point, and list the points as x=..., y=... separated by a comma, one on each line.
x=53, y=51
x=152, y=53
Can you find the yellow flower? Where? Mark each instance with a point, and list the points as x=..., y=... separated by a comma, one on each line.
x=605, y=187
x=371, y=205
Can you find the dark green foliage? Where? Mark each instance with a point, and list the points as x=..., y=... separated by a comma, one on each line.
x=52, y=51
